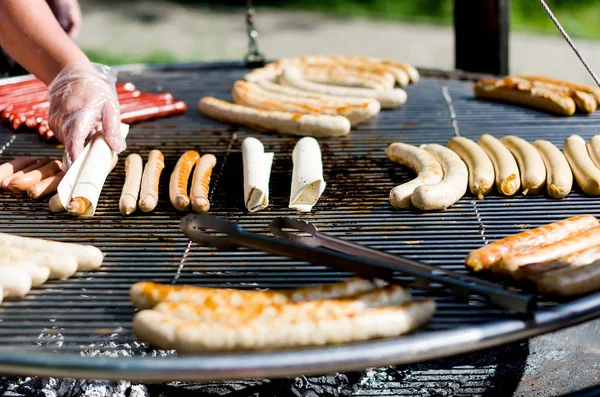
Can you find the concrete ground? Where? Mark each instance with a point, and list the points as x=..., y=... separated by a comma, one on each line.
x=139, y=29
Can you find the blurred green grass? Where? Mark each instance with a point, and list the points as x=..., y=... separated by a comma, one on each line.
x=579, y=17
x=114, y=58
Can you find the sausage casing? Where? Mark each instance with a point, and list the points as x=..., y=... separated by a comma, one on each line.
x=489, y=255
x=201, y=183
x=151, y=180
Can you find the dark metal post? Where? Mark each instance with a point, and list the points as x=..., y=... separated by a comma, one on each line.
x=481, y=36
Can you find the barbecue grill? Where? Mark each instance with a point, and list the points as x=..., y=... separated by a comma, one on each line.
x=81, y=327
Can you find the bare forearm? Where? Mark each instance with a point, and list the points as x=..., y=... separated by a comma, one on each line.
x=30, y=33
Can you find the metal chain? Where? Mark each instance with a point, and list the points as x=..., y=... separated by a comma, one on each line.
x=566, y=36
x=253, y=56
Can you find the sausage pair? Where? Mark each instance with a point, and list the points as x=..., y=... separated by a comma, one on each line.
x=441, y=181
x=561, y=258
x=178, y=186
x=196, y=319
x=37, y=178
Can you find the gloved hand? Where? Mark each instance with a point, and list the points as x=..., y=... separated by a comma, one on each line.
x=68, y=14
x=83, y=99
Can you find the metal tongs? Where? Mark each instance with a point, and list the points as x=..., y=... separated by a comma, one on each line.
x=318, y=248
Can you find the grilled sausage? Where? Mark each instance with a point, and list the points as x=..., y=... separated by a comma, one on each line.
x=481, y=169
x=46, y=186
x=78, y=206
x=441, y=195
x=593, y=147
x=559, y=177
x=343, y=76
x=151, y=180
x=391, y=295
x=571, y=281
x=60, y=265
x=506, y=169
x=21, y=183
x=88, y=257
x=131, y=188
x=300, y=94
x=428, y=171
x=584, y=102
x=178, y=192
x=595, y=91
x=537, y=271
x=402, y=73
x=15, y=282
x=531, y=166
x=15, y=165
x=388, y=99
x=168, y=332
x=521, y=92
x=39, y=274
x=6, y=181
x=152, y=112
x=585, y=171
x=487, y=256
x=55, y=205
x=283, y=122
x=253, y=95
x=573, y=243
x=201, y=183
x=146, y=295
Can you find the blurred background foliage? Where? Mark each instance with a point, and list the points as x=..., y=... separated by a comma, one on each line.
x=580, y=17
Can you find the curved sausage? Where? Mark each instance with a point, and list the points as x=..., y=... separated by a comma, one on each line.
x=388, y=99
x=452, y=187
x=167, y=332
x=283, y=122
x=46, y=186
x=506, y=169
x=386, y=296
x=428, y=171
x=178, y=192
x=253, y=95
x=585, y=171
x=489, y=255
x=131, y=187
x=559, y=177
x=15, y=165
x=344, y=76
x=146, y=295
x=531, y=165
x=481, y=169
x=151, y=180
x=201, y=183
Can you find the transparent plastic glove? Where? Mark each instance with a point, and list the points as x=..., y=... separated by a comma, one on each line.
x=83, y=100
x=68, y=14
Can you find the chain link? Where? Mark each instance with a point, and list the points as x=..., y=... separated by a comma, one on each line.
x=253, y=56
